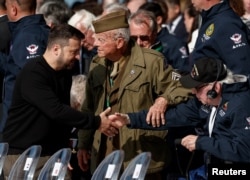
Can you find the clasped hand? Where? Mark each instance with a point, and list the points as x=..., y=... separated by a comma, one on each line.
x=111, y=123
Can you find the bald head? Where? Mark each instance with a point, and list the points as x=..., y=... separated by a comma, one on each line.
x=16, y=9
x=25, y=5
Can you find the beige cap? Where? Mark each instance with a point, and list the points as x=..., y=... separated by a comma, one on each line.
x=110, y=21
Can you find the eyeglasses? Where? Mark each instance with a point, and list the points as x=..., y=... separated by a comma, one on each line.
x=142, y=38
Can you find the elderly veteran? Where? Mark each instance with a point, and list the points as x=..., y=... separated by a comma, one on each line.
x=221, y=105
x=127, y=78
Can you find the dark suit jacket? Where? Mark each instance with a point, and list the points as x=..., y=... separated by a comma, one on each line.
x=180, y=30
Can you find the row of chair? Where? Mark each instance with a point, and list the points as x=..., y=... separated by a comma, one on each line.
x=110, y=167
x=56, y=166
x=25, y=166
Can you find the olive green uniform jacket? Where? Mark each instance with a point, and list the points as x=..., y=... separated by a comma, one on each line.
x=144, y=79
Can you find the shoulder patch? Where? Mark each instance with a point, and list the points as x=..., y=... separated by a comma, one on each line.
x=32, y=49
x=175, y=76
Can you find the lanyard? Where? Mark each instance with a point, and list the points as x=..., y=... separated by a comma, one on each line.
x=211, y=120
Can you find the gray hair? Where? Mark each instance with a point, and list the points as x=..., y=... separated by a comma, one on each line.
x=55, y=12
x=233, y=78
x=123, y=33
x=144, y=17
x=83, y=17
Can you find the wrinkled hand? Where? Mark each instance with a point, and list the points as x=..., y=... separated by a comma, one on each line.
x=83, y=157
x=189, y=142
x=155, y=115
x=106, y=124
x=119, y=120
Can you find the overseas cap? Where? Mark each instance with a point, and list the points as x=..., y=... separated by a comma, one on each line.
x=205, y=70
x=110, y=21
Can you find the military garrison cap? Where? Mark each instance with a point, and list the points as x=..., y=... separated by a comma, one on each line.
x=110, y=21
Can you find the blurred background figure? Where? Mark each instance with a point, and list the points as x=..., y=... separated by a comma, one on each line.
x=72, y=3
x=116, y=7
x=82, y=20
x=38, y=5
x=174, y=50
x=246, y=15
x=237, y=6
x=91, y=6
x=133, y=5
x=55, y=12
x=106, y=3
x=191, y=21
x=175, y=21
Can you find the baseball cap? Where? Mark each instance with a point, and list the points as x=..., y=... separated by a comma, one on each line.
x=205, y=70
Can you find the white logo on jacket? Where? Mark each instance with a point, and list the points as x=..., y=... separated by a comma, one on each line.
x=32, y=50
x=237, y=39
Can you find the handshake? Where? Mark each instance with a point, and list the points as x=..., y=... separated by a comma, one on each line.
x=111, y=123
x=155, y=117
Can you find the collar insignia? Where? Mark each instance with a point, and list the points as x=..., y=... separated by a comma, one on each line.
x=210, y=30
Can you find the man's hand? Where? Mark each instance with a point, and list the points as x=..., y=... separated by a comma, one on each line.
x=106, y=126
x=189, y=142
x=119, y=120
x=83, y=157
x=155, y=115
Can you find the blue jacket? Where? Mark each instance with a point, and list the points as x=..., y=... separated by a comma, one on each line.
x=231, y=132
x=223, y=35
x=29, y=40
x=174, y=50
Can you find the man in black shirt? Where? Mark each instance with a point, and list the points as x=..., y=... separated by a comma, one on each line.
x=40, y=112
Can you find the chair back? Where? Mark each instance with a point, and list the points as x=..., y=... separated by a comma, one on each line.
x=56, y=166
x=110, y=166
x=4, y=147
x=25, y=166
x=137, y=168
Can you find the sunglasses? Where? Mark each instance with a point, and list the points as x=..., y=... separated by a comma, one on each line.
x=142, y=38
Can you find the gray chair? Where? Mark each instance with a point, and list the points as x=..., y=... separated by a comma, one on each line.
x=4, y=147
x=25, y=166
x=110, y=166
x=137, y=168
x=56, y=166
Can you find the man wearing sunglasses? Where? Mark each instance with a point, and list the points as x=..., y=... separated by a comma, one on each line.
x=143, y=30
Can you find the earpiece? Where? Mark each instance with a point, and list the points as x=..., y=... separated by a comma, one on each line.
x=212, y=94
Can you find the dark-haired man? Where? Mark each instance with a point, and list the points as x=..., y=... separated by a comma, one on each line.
x=40, y=112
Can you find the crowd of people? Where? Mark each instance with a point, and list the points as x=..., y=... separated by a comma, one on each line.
x=133, y=75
